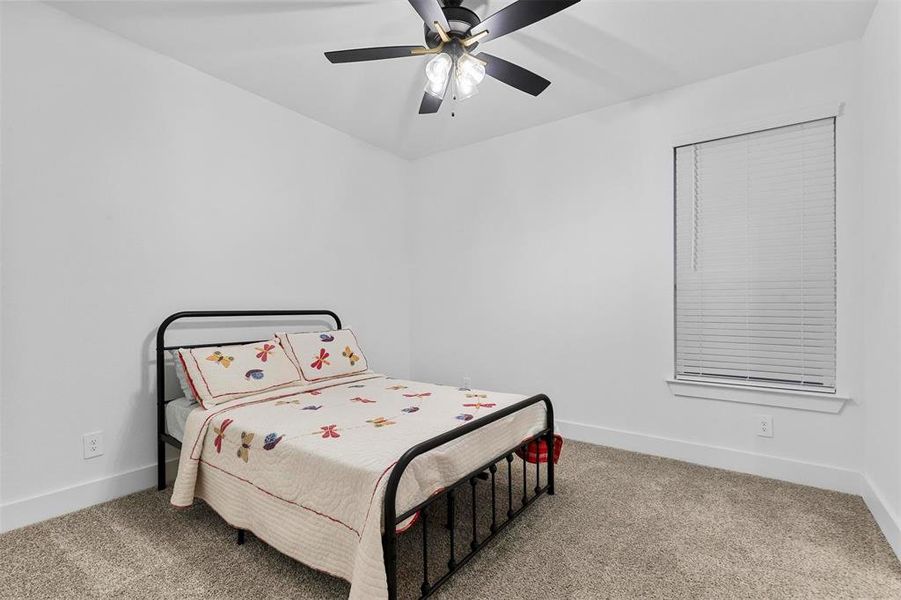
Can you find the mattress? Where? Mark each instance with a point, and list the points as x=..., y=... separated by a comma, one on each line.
x=305, y=469
x=177, y=412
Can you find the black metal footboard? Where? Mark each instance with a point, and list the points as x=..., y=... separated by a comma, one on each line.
x=487, y=471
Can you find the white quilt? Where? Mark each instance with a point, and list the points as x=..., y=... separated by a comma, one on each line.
x=305, y=469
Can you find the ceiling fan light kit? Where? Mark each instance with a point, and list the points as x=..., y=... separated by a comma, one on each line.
x=452, y=34
x=469, y=74
x=437, y=71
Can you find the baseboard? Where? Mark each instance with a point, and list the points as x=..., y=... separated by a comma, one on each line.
x=885, y=518
x=70, y=499
x=774, y=467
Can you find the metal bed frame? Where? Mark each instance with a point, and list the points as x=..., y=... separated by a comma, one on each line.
x=486, y=472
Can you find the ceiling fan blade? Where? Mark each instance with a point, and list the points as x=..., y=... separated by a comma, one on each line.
x=381, y=53
x=513, y=75
x=430, y=104
x=430, y=11
x=521, y=13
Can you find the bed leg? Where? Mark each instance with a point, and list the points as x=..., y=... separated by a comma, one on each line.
x=549, y=441
x=389, y=547
x=160, y=465
x=240, y=537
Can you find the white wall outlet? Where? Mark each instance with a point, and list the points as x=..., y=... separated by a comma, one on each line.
x=765, y=425
x=467, y=382
x=93, y=444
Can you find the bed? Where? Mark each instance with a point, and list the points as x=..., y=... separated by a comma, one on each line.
x=331, y=472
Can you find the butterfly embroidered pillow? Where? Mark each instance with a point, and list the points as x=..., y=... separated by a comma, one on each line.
x=324, y=355
x=218, y=374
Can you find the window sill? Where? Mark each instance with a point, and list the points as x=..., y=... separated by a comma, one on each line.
x=812, y=401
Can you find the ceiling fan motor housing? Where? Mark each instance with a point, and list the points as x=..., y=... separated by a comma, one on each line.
x=460, y=19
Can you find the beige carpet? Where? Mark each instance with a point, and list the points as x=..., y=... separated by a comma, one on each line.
x=623, y=525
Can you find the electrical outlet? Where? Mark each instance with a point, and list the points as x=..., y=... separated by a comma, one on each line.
x=93, y=444
x=765, y=425
x=467, y=382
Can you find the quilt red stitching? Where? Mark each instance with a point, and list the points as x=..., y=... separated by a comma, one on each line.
x=268, y=493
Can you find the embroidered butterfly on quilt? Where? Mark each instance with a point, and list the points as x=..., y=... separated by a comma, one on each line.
x=244, y=450
x=362, y=400
x=478, y=405
x=220, y=434
x=330, y=431
x=271, y=440
x=380, y=422
x=218, y=357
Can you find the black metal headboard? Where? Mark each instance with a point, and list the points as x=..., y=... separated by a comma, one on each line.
x=162, y=437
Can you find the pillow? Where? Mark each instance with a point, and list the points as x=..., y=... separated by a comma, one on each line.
x=217, y=374
x=324, y=355
x=182, y=377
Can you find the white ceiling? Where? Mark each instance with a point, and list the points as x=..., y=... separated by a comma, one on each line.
x=596, y=53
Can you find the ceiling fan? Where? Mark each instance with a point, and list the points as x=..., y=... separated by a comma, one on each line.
x=452, y=33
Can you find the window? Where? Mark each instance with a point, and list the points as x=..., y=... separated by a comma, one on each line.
x=755, y=258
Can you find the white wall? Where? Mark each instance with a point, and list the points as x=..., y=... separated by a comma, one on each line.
x=134, y=186
x=546, y=264
x=881, y=48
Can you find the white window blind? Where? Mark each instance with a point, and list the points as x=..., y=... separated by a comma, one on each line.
x=755, y=258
